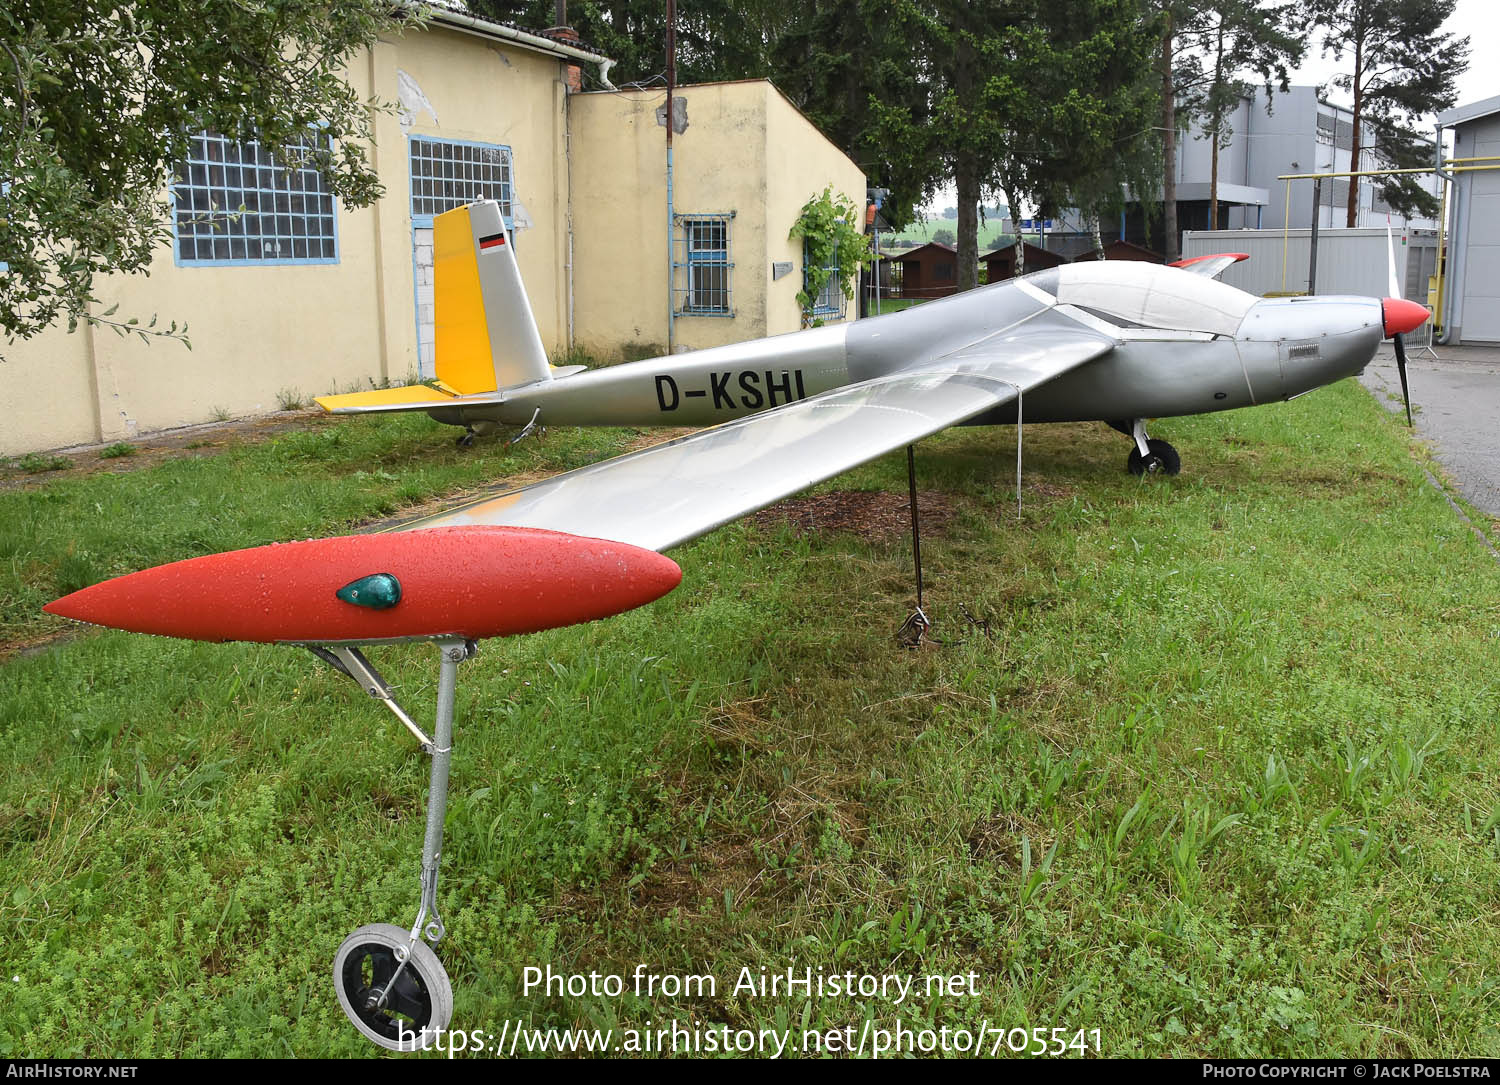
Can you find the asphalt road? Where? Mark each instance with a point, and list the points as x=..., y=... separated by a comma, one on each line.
x=1456, y=404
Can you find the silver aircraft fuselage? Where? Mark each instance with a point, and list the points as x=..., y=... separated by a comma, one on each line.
x=1185, y=345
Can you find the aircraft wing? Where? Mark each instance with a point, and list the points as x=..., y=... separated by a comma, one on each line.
x=1211, y=266
x=670, y=493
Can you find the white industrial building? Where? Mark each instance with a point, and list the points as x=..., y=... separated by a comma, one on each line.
x=1471, y=295
x=1303, y=133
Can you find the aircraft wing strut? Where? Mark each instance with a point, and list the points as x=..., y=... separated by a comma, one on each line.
x=670, y=493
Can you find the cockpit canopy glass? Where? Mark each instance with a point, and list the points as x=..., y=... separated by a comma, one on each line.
x=1149, y=295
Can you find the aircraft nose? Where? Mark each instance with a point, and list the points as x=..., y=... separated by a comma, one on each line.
x=1402, y=316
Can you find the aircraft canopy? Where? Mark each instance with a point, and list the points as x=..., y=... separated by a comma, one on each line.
x=1164, y=297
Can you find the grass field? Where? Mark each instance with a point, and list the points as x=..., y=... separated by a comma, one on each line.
x=894, y=305
x=990, y=232
x=1212, y=770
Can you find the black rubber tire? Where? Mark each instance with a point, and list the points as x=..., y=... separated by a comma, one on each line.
x=423, y=1001
x=1163, y=460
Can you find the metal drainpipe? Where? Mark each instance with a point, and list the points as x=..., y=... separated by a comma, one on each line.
x=671, y=80
x=1312, y=258
x=1445, y=247
x=671, y=271
x=1451, y=283
x=568, y=164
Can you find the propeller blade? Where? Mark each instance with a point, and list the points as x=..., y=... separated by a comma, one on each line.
x=1390, y=251
x=1401, y=369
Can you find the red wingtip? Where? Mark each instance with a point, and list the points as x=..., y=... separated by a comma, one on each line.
x=64, y=608
x=98, y=604
x=657, y=574
x=476, y=581
x=1187, y=261
x=1402, y=316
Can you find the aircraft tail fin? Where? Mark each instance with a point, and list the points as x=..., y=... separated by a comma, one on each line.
x=487, y=337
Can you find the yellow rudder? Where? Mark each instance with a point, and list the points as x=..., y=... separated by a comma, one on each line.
x=463, y=358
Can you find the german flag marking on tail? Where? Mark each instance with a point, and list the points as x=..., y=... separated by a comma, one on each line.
x=494, y=241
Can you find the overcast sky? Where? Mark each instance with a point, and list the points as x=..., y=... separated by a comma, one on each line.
x=1479, y=19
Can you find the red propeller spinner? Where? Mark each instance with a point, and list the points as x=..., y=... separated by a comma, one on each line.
x=1402, y=316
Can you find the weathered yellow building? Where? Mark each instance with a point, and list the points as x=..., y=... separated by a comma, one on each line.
x=743, y=168
x=302, y=295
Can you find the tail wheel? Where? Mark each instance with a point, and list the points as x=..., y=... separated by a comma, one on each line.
x=416, y=1004
x=1161, y=460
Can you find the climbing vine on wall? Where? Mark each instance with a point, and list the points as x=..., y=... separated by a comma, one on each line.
x=829, y=228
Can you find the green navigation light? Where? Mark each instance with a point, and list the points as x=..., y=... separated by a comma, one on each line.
x=378, y=591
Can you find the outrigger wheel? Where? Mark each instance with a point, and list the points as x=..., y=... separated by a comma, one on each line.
x=400, y=1008
x=390, y=983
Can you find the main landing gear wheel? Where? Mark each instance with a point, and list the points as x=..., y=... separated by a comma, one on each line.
x=399, y=1008
x=467, y=440
x=1161, y=459
x=1149, y=456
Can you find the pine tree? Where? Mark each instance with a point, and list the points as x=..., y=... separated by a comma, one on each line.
x=1028, y=99
x=1399, y=66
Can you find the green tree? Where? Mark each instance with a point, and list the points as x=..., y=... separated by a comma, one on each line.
x=98, y=101
x=1085, y=102
x=845, y=62
x=1110, y=150
x=1400, y=66
x=834, y=59
x=716, y=39
x=1133, y=166
x=1207, y=48
x=1035, y=100
x=1173, y=15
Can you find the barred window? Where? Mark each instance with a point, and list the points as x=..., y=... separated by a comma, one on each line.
x=830, y=299
x=236, y=203
x=703, y=266
x=446, y=174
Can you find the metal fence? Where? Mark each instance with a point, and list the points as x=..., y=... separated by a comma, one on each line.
x=1349, y=261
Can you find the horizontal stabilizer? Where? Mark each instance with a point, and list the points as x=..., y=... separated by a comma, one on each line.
x=1212, y=265
x=412, y=397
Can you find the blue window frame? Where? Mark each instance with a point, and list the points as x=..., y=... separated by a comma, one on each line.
x=449, y=173
x=702, y=267
x=234, y=203
x=830, y=299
